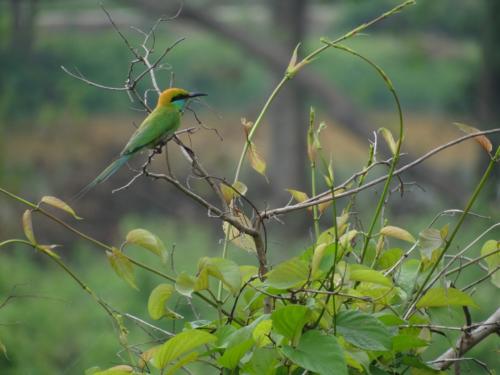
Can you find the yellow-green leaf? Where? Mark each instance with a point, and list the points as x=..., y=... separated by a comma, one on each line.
x=3, y=349
x=185, y=284
x=389, y=139
x=179, y=345
x=191, y=357
x=398, y=233
x=483, y=141
x=441, y=297
x=359, y=273
x=157, y=300
x=261, y=332
x=224, y=270
x=299, y=196
x=47, y=249
x=319, y=252
x=60, y=204
x=28, y=226
x=122, y=266
x=492, y=247
x=256, y=160
x=227, y=192
x=293, y=59
x=148, y=241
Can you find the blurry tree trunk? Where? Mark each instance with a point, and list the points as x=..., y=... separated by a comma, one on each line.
x=489, y=98
x=23, y=13
x=288, y=113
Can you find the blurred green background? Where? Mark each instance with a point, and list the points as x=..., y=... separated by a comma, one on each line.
x=57, y=133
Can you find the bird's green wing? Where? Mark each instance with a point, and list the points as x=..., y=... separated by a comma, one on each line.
x=160, y=124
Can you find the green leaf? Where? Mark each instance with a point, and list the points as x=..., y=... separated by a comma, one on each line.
x=122, y=266
x=319, y=252
x=318, y=353
x=148, y=241
x=58, y=203
x=408, y=274
x=289, y=274
x=398, y=233
x=179, y=345
x=441, y=297
x=389, y=139
x=224, y=270
x=156, y=302
x=28, y=226
x=403, y=343
x=230, y=192
x=263, y=362
x=430, y=240
x=360, y=273
x=191, y=357
x=289, y=321
x=363, y=330
x=232, y=355
x=493, y=260
x=389, y=258
x=116, y=370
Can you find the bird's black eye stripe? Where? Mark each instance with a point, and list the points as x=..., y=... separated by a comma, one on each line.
x=180, y=97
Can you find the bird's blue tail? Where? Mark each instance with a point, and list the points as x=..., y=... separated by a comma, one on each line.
x=104, y=175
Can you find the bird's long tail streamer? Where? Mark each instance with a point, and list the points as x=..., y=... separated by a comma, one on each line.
x=104, y=175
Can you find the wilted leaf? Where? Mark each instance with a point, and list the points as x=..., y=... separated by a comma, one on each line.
x=289, y=274
x=122, y=266
x=319, y=252
x=363, y=330
x=256, y=160
x=441, y=297
x=47, y=249
x=299, y=196
x=293, y=59
x=493, y=260
x=58, y=203
x=396, y=232
x=148, y=241
x=157, y=300
x=389, y=139
x=179, y=345
x=230, y=192
x=430, y=240
x=318, y=353
x=481, y=139
x=240, y=239
x=28, y=226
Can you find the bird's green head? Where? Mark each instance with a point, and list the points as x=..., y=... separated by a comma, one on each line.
x=176, y=96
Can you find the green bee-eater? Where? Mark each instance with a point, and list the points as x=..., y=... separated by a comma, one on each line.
x=156, y=128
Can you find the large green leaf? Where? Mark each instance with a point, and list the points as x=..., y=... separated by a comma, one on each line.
x=492, y=247
x=363, y=330
x=440, y=297
x=408, y=273
x=156, y=302
x=122, y=266
x=179, y=345
x=389, y=258
x=318, y=353
x=289, y=274
x=148, y=241
x=289, y=321
x=263, y=362
x=403, y=343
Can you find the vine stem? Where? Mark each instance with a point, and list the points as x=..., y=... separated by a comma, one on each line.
x=424, y=287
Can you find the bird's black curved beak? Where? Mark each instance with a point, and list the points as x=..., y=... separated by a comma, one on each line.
x=196, y=94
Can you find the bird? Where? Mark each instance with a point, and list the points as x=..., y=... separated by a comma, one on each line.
x=156, y=128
